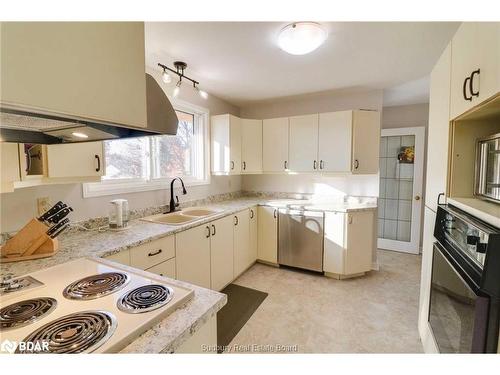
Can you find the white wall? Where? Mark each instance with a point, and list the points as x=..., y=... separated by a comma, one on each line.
x=366, y=185
x=20, y=206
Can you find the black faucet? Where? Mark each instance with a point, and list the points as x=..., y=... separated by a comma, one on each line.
x=174, y=204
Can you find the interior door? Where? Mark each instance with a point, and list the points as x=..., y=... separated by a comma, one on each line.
x=304, y=143
x=400, y=203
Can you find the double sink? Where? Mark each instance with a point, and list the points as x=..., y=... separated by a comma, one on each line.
x=181, y=217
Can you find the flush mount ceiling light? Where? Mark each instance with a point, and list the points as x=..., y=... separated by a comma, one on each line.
x=180, y=66
x=300, y=38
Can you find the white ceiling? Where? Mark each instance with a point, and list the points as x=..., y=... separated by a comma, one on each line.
x=241, y=62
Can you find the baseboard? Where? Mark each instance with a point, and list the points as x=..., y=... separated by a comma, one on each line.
x=375, y=266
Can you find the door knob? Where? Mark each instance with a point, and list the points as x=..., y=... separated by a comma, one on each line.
x=417, y=197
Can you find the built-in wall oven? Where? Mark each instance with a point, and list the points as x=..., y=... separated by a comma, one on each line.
x=487, y=178
x=465, y=283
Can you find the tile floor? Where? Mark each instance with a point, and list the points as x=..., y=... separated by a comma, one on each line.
x=372, y=314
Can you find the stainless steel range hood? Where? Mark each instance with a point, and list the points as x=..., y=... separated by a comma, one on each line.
x=24, y=125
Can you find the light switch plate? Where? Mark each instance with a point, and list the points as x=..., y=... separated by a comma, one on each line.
x=43, y=205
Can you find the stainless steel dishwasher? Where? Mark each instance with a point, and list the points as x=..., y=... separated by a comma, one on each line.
x=300, y=239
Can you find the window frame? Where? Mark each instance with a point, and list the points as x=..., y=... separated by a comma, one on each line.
x=135, y=185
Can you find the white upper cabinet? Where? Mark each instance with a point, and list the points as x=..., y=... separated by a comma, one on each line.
x=303, y=143
x=335, y=137
x=75, y=160
x=275, y=144
x=438, y=130
x=94, y=70
x=226, y=144
x=9, y=164
x=475, y=64
x=251, y=146
x=365, y=142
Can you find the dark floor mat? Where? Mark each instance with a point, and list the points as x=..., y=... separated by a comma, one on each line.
x=241, y=304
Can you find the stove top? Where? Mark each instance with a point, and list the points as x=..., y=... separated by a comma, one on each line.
x=96, y=286
x=81, y=332
x=145, y=298
x=25, y=312
x=87, y=305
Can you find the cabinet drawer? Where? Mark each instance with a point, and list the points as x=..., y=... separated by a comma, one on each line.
x=123, y=257
x=166, y=268
x=152, y=253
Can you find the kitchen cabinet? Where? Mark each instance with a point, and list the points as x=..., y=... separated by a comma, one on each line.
x=365, y=142
x=152, y=253
x=268, y=234
x=76, y=160
x=275, y=145
x=251, y=146
x=166, y=268
x=438, y=129
x=254, y=234
x=122, y=257
x=9, y=164
x=474, y=67
x=226, y=144
x=335, y=141
x=221, y=253
x=204, y=337
x=95, y=70
x=303, y=143
x=349, y=243
x=243, y=257
x=192, y=255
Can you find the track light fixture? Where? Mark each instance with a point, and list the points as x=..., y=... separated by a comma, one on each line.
x=180, y=66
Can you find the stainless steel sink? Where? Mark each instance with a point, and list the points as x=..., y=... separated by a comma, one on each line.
x=181, y=217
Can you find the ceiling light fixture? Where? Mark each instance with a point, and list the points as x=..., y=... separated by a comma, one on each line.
x=300, y=38
x=180, y=66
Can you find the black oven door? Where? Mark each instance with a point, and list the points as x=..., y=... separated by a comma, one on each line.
x=457, y=315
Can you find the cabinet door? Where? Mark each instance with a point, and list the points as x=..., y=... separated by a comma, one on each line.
x=93, y=70
x=235, y=145
x=122, y=257
x=166, y=268
x=241, y=242
x=360, y=242
x=334, y=247
x=303, y=143
x=151, y=253
x=438, y=130
x=254, y=230
x=365, y=142
x=226, y=144
x=335, y=141
x=9, y=166
x=268, y=234
x=475, y=46
x=251, y=146
x=221, y=253
x=275, y=144
x=192, y=258
x=76, y=160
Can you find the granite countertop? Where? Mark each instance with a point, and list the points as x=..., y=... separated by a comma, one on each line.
x=172, y=331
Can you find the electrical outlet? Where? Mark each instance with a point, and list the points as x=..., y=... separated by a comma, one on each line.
x=43, y=205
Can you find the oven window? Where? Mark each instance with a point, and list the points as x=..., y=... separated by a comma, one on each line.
x=452, y=306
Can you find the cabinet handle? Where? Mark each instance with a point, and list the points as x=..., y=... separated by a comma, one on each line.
x=154, y=253
x=356, y=164
x=275, y=214
x=98, y=163
x=236, y=220
x=314, y=164
x=464, y=89
x=251, y=214
x=321, y=164
x=244, y=165
x=213, y=230
x=350, y=219
x=286, y=164
x=208, y=232
x=232, y=165
x=471, y=82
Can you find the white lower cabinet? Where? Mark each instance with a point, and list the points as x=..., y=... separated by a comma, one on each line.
x=221, y=253
x=152, y=253
x=193, y=255
x=203, y=341
x=268, y=234
x=122, y=257
x=166, y=268
x=242, y=251
x=254, y=234
x=349, y=243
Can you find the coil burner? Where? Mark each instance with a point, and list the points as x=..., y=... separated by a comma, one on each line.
x=145, y=298
x=25, y=312
x=81, y=332
x=96, y=286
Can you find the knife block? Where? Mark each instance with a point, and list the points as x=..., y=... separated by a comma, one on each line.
x=30, y=242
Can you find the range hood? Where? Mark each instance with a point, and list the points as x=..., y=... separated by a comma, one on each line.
x=32, y=126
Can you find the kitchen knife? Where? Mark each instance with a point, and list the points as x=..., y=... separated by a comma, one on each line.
x=53, y=210
x=53, y=229
x=54, y=219
x=60, y=230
